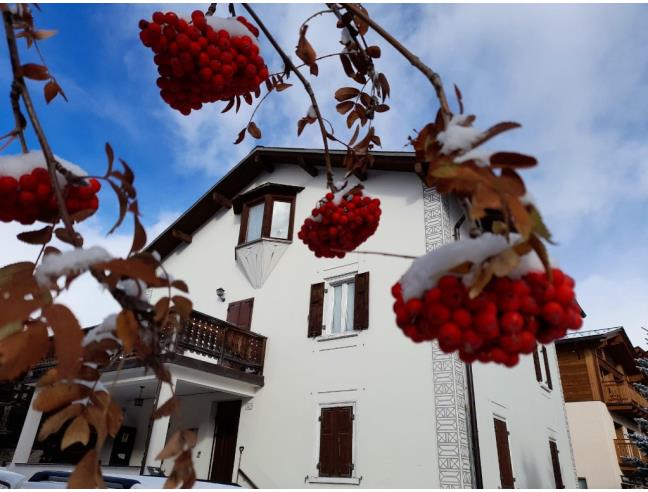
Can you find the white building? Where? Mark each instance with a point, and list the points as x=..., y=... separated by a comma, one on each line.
x=318, y=386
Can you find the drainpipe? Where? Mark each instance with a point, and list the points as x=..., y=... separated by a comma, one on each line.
x=478, y=482
x=150, y=428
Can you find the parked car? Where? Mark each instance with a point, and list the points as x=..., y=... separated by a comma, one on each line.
x=55, y=479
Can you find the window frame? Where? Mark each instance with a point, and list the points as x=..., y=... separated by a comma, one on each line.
x=329, y=304
x=268, y=201
x=541, y=358
x=315, y=477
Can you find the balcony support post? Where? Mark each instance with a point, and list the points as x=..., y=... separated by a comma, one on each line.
x=160, y=428
x=27, y=434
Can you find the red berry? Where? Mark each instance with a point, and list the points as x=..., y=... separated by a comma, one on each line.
x=414, y=306
x=511, y=322
x=552, y=312
x=26, y=199
x=564, y=294
x=27, y=182
x=449, y=337
x=462, y=318
x=8, y=185
x=448, y=282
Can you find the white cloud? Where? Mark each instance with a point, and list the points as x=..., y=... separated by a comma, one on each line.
x=89, y=301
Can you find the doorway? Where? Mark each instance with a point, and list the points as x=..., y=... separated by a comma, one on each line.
x=225, y=434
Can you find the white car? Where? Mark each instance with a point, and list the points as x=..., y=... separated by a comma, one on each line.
x=54, y=479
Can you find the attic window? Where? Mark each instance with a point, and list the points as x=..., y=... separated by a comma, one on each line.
x=267, y=212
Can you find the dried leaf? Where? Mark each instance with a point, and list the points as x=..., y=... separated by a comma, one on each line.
x=230, y=105
x=240, y=137
x=304, y=50
x=384, y=86
x=34, y=71
x=282, y=86
x=345, y=93
x=51, y=90
x=63, y=235
x=87, y=473
x=78, y=431
x=44, y=34
x=127, y=329
x=139, y=235
x=58, y=395
x=344, y=107
x=173, y=447
x=40, y=236
x=538, y=226
x=352, y=117
x=183, y=306
x=512, y=159
x=354, y=136
x=347, y=66
x=20, y=351
x=180, y=285
x=54, y=422
x=115, y=418
x=503, y=263
x=494, y=131
x=68, y=337
x=167, y=408
x=459, y=99
x=314, y=69
x=253, y=130
x=373, y=51
x=540, y=249
x=381, y=108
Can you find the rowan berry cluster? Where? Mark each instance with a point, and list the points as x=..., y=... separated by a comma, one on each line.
x=337, y=227
x=199, y=64
x=31, y=197
x=505, y=320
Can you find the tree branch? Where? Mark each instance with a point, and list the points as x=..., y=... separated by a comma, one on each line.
x=291, y=66
x=52, y=165
x=432, y=76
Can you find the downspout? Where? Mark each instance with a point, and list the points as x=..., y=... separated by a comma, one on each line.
x=150, y=428
x=478, y=482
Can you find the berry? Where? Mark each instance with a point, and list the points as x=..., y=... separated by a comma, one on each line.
x=449, y=336
x=552, y=312
x=511, y=322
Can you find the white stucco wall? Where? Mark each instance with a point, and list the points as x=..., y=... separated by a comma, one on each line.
x=593, y=436
x=533, y=414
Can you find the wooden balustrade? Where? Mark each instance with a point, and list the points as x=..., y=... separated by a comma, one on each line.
x=626, y=449
x=623, y=392
x=216, y=340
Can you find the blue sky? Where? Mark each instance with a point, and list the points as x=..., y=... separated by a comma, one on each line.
x=575, y=76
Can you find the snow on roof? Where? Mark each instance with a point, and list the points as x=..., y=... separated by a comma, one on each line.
x=592, y=333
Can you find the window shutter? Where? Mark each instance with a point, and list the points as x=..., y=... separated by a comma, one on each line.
x=336, y=442
x=546, y=364
x=316, y=311
x=233, y=311
x=536, y=363
x=555, y=462
x=361, y=302
x=239, y=313
x=504, y=454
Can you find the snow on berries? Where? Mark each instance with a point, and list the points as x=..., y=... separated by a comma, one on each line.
x=340, y=223
x=204, y=59
x=508, y=317
x=26, y=193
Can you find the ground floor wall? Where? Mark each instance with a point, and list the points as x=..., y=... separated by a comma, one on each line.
x=593, y=435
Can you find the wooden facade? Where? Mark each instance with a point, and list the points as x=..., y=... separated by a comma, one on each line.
x=600, y=365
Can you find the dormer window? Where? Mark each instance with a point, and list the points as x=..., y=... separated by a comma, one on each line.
x=267, y=212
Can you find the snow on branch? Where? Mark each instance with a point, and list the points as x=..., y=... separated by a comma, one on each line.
x=71, y=262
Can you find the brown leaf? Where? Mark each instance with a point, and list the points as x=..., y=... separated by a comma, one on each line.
x=347, y=66
x=344, y=107
x=183, y=306
x=459, y=99
x=53, y=423
x=230, y=105
x=68, y=337
x=166, y=409
x=87, y=473
x=253, y=130
x=384, y=86
x=494, y=131
x=20, y=351
x=34, y=71
x=373, y=51
x=304, y=50
x=345, y=93
x=314, y=69
x=180, y=285
x=127, y=329
x=58, y=395
x=240, y=137
x=63, y=235
x=352, y=117
x=512, y=159
x=540, y=249
x=363, y=27
x=139, y=235
x=51, y=90
x=161, y=309
x=538, y=225
x=77, y=431
x=381, y=108
x=173, y=447
x=503, y=263
x=40, y=236
x=282, y=86
x=115, y=418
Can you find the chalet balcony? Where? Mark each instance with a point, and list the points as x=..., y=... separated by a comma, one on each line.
x=205, y=343
x=623, y=397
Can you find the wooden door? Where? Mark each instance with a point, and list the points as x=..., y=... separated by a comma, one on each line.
x=225, y=434
x=504, y=454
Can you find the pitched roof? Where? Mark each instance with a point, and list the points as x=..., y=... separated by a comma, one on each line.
x=261, y=159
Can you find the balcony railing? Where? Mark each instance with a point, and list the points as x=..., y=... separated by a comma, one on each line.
x=623, y=393
x=626, y=449
x=215, y=340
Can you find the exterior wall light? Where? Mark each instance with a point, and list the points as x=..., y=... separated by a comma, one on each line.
x=220, y=292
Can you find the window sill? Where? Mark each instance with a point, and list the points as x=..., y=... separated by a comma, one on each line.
x=545, y=387
x=261, y=239
x=335, y=480
x=337, y=336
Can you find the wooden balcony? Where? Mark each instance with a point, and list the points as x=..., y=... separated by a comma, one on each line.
x=205, y=343
x=623, y=397
x=626, y=449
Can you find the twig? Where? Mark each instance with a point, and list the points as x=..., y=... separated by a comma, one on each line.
x=394, y=255
x=211, y=10
x=290, y=65
x=21, y=123
x=316, y=59
x=432, y=76
x=327, y=11
x=38, y=129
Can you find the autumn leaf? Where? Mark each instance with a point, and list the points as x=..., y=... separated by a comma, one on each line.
x=77, y=431
x=39, y=236
x=240, y=137
x=56, y=421
x=304, y=50
x=51, y=90
x=44, y=34
x=20, y=294
x=344, y=93
x=282, y=86
x=166, y=409
x=57, y=395
x=34, y=71
x=68, y=337
x=180, y=285
x=20, y=351
x=373, y=51
x=87, y=473
x=344, y=107
x=512, y=159
x=183, y=306
x=253, y=130
x=127, y=329
x=139, y=235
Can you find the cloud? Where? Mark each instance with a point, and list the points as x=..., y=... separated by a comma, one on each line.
x=89, y=301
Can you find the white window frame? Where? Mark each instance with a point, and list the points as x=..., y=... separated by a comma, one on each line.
x=354, y=479
x=329, y=302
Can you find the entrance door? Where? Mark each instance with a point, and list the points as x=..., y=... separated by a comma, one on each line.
x=224, y=452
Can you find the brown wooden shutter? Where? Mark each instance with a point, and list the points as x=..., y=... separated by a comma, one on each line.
x=336, y=442
x=361, y=302
x=546, y=364
x=536, y=363
x=316, y=311
x=556, y=465
x=504, y=454
x=239, y=313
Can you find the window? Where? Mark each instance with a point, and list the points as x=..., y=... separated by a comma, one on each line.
x=503, y=454
x=336, y=442
x=339, y=306
x=555, y=463
x=543, y=373
x=267, y=211
x=582, y=483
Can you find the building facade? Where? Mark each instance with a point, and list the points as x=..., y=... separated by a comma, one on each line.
x=598, y=370
x=309, y=383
